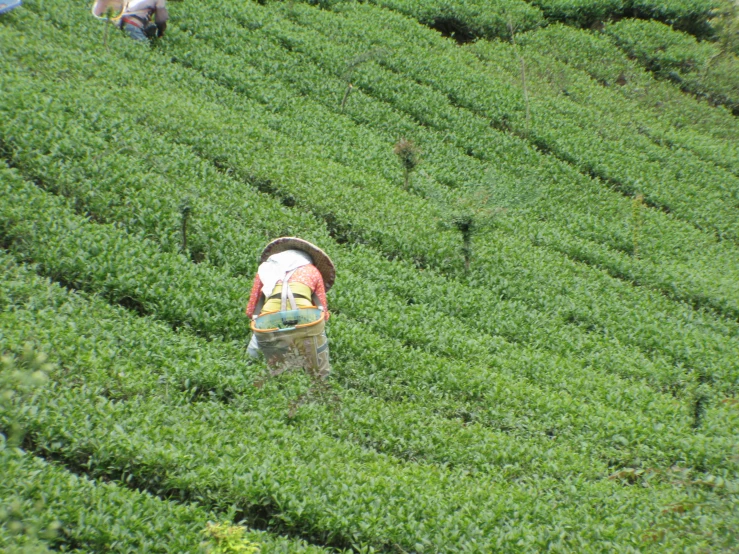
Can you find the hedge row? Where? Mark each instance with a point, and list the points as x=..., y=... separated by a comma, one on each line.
x=575, y=210
x=483, y=19
x=597, y=55
x=558, y=79
x=697, y=191
x=671, y=285
x=89, y=190
x=123, y=356
x=700, y=68
x=43, y=503
x=48, y=509
x=82, y=426
x=341, y=496
x=473, y=304
x=616, y=235
x=382, y=312
x=161, y=444
x=148, y=205
x=466, y=20
x=689, y=15
x=493, y=389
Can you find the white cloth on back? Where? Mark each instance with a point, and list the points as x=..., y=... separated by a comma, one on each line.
x=100, y=7
x=140, y=8
x=277, y=265
x=143, y=8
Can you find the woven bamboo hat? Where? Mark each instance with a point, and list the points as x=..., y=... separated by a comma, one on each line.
x=320, y=259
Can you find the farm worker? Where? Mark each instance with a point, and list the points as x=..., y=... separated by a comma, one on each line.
x=134, y=16
x=307, y=269
x=7, y=5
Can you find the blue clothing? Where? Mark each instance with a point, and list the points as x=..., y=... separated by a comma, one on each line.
x=136, y=33
x=7, y=6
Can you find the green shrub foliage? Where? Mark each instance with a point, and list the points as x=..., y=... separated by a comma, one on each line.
x=527, y=354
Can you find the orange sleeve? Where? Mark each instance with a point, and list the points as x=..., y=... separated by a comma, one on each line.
x=321, y=294
x=256, y=290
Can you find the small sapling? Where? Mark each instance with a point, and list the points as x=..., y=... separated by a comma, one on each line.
x=409, y=155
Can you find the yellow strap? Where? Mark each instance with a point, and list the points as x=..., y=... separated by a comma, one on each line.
x=275, y=305
x=296, y=287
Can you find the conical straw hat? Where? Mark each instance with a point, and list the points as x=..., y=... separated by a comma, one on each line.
x=320, y=259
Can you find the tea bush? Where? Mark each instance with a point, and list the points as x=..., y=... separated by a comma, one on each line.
x=701, y=68
x=561, y=394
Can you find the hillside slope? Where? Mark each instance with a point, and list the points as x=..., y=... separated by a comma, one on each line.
x=534, y=344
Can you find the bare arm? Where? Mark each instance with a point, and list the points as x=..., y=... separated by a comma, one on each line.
x=320, y=292
x=161, y=16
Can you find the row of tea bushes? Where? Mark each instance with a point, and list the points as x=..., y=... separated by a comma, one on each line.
x=681, y=340
x=700, y=68
x=45, y=508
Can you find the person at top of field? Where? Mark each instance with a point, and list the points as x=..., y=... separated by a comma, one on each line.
x=8, y=5
x=307, y=269
x=134, y=16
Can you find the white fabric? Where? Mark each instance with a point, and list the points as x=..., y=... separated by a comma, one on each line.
x=277, y=265
x=101, y=6
x=143, y=8
x=140, y=8
x=253, y=348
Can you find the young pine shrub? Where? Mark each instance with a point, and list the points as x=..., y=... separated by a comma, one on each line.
x=637, y=222
x=409, y=155
x=195, y=250
x=186, y=212
x=465, y=224
x=468, y=215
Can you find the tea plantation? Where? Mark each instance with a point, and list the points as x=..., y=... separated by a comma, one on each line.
x=535, y=325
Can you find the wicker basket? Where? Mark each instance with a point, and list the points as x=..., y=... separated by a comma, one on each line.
x=294, y=339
